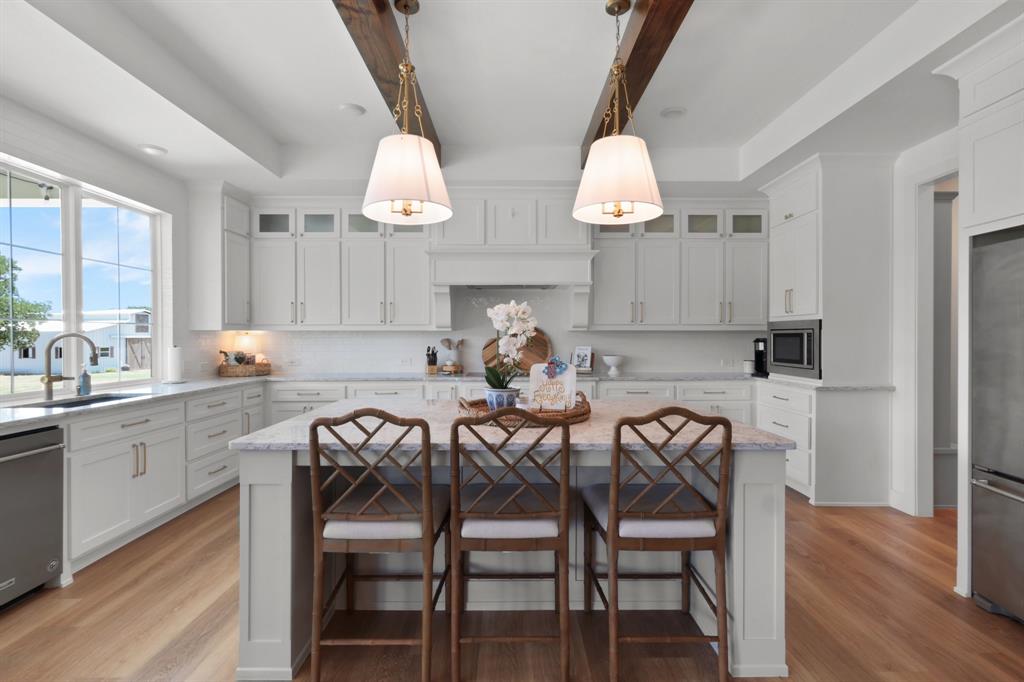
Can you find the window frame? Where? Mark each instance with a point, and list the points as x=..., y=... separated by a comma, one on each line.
x=71, y=202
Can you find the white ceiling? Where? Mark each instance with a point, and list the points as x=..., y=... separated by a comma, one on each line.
x=510, y=84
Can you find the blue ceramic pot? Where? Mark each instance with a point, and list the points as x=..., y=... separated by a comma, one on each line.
x=498, y=398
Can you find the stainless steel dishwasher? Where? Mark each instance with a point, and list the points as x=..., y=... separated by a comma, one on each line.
x=31, y=510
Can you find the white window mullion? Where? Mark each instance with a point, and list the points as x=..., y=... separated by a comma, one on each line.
x=71, y=238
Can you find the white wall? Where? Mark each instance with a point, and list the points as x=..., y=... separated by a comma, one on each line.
x=945, y=398
x=308, y=352
x=911, y=473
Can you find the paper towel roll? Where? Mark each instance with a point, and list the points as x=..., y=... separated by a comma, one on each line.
x=174, y=369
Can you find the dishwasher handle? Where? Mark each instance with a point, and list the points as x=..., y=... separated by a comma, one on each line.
x=30, y=453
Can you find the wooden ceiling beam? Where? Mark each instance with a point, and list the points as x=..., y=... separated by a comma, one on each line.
x=649, y=31
x=374, y=29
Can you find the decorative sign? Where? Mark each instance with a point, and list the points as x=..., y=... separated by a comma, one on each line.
x=553, y=385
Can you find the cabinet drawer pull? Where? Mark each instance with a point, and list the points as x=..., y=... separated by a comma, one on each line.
x=128, y=425
x=779, y=397
x=219, y=433
x=780, y=425
x=638, y=392
x=135, y=460
x=145, y=459
x=256, y=397
x=307, y=392
x=212, y=472
x=714, y=392
x=220, y=403
x=385, y=392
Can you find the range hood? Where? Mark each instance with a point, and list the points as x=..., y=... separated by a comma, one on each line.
x=524, y=267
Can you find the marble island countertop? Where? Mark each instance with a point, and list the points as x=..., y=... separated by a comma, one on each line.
x=476, y=377
x=594, y=434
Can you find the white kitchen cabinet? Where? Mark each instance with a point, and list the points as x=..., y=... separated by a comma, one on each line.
x=160, y=484
x=992, y=167
x=211, y=473
x=636, y=389
x=386, y=389
x=252, y=420
x=793, y=272
x=738, y=412
x=614, y=282
x=408, y=276
x=557, y=226
x=703, y=224
x=467, y=225
x=746, y=224
x=746, y=271
x=441, y=391
x=794, y=197
x=318, y=223
x=664, y=226
x=99, y=494
x=512, y=221
x=236, y=279
x=658, y=283
x=273, y=282
x=319, y=279
x=281, y=411
x=236, y=216
x=274, y=222
x=363, y=284
x=354, y=225
x=703, y=265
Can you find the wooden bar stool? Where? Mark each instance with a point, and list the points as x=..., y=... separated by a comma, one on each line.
x=373, y=514
x=505, y=511
x=650, y=505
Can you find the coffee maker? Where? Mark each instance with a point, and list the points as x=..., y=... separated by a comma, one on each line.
x=761, y=357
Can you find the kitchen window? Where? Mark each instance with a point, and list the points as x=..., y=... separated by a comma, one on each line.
x=108, y=285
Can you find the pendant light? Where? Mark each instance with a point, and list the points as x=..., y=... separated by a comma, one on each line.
x=406, y=186
x=618, y=186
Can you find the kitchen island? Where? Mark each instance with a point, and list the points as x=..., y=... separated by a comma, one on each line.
x=275, y=525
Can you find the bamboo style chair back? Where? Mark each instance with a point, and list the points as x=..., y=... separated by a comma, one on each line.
x=643, y=488
x=510, y=491
x=371, y=495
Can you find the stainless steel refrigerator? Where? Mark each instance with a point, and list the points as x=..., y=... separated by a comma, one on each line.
x=997, y=421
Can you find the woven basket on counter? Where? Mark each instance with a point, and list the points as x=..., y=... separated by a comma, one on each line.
x=574, y=415
x=258, y=369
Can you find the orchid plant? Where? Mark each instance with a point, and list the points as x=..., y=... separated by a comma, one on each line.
x=515, y=325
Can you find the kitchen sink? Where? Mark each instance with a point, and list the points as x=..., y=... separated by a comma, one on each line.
x=82, y=401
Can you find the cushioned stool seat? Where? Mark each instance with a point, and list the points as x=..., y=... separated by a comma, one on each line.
x=510, y=528
x=596, y=497
x=368, y=528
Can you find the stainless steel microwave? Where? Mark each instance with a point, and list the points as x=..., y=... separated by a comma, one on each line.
x=794, y=348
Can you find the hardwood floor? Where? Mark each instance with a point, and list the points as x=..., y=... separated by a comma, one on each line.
x=869, y=598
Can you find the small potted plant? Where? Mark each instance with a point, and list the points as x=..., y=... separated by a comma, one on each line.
x=515, y=326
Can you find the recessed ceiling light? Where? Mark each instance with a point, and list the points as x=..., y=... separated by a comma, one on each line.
x=152, y=149
x=352, y=109
x=673, y=112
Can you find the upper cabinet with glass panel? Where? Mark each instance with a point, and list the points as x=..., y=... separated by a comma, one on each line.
x=746, y=224
x=708, y=224
x=407, y=231
x=665, y=225
x=318, y=223
x=274, y=222
x=355, y=224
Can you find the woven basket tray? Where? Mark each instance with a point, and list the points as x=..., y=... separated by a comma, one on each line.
x=258, y=369
x=574, y=415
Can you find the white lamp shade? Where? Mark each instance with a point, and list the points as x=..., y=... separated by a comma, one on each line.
x=406, y=174
x=619, y=174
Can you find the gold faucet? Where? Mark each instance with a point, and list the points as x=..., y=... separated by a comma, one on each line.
x=48, y=377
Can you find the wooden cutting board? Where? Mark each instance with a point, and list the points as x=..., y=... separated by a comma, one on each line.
x=538, y=350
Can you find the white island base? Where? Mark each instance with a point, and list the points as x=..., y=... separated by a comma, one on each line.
x=275, y=593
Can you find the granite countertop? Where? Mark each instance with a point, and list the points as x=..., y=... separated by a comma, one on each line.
x=478, y=376
x=594, y=434
x=142, y=396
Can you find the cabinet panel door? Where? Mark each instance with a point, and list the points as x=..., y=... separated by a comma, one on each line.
x=746, y=276
x=512, y=221
x=408, y=283
x=274, y=223
x=100, y=495
x=160, y=485
x=746, y=224
x=466, y=226
x=704, y=224
x=273, y=282
x=803, y=300
x=658, y=283
x=702, y=283
x=557, y=226
x=318, y=223
x=320, y=282
x=236, y=216
x=362, y=292
x=281, y=411
x=794, y=199
x=236, y=279
x=992, y=175
x=780, y=270
x=615, y=282
x=252, y=420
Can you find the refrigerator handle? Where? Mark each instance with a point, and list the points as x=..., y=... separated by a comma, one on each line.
x=986, y=484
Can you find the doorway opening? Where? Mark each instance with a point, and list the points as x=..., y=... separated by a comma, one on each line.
x=944, y=394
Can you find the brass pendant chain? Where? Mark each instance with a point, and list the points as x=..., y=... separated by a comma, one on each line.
x=407, y=82
x=617, y=77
